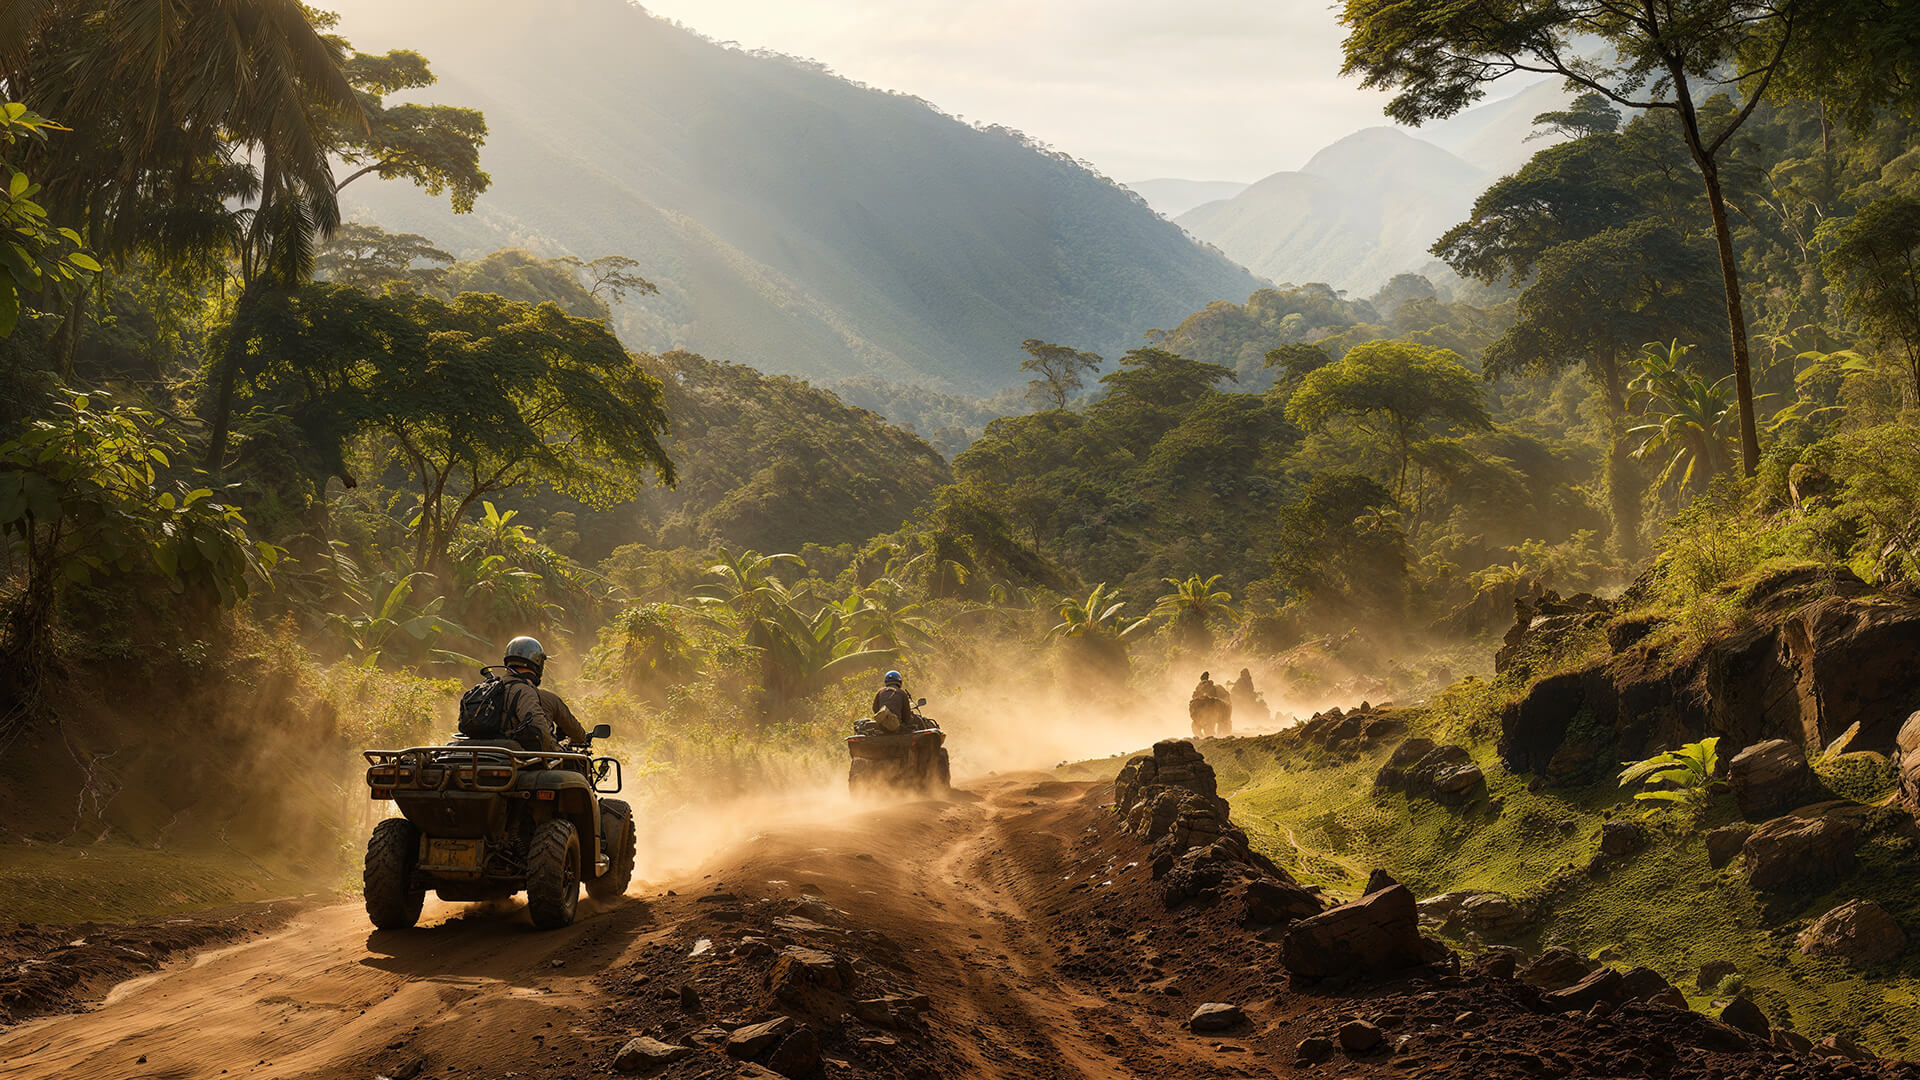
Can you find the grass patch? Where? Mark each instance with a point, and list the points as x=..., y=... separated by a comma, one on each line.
x=59, y=884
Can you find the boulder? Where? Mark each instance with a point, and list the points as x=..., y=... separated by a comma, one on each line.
x=1670, y=997
x=1858, y=931
x=1491, y=912
x=754, y=1040
x=1556, y=969
x=1376, y=933
x=1643, y=984
x=1791, y=851
x=1314, y=1050
x=1906, y=762
x=1455, y=784
x=799, y=972
x=1713, y=973
x=643, y=1054
x=1605, y=985
x=1215, y=1016
x=1724, y=843
x=1770, y=778
x=1360, y=1037
x=1744, y=1015
x=1442, y=773
x=1377, y=880
x=1393, y=774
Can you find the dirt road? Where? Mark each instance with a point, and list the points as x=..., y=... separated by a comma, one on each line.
x=957, y=897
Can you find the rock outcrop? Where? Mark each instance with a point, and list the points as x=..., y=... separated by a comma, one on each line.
x=1444, y=774
x=1338, y=729
x=1858, y=931
x=1171, y=799
x=1821, y=654
x=1906, y=762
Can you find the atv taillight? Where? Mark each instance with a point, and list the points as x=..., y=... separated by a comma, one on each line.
x=382, y=776
x=494, y=777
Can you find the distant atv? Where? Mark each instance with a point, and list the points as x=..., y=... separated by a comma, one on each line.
x=911, y=757
x=485, y=818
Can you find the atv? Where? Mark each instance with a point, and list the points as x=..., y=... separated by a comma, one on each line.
x=912, y=756
x=483, y=819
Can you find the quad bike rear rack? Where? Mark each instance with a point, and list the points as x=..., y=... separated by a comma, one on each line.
x=461, y=768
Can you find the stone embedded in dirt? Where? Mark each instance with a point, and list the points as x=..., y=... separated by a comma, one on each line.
x=1605, y=985
x=797, y=1055
x=1621, y=838
x=1313, y=1051
x=689, y=998
x=1670, y=997
x=1744, y=1015
x=1215, y=1016
x=1273, y=901
x=749, y=1071
x=1498, y=965
x=1714, y=972
x=644, y=1053
x=1858, y=931
x=1724, y=843
x=1792, y=1041
x=1377, y=933
x=1771, y=778
x=800, y=971
x=1469, y=1019
x=1843, y=1047
x=1793, y=850
x=756, y=1039
x=1359, y=1036
x=1556, y=969
x=1643, y=984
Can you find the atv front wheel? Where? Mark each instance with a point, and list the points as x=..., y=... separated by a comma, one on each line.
x=612, y=885
x=553, y=875
x=393, y=902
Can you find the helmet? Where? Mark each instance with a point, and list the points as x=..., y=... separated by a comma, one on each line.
x=526, y=652
x=893, y=678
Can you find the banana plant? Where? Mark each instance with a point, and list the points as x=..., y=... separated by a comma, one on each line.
x=396, y=624
x=1686, y=772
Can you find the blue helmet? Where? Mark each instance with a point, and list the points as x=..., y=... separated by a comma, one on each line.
x=893, y=678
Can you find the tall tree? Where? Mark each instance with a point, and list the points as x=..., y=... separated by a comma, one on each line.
x=1398, y=392
x=1442, y=54
x=1061, y=370
x=1875, y=257
x=436, y=147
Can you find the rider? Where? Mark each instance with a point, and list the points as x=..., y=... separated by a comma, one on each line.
x=540, y=716
x=893, y=698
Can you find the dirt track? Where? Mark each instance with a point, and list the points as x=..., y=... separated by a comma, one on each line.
x=480, y=991
x=1026, y=918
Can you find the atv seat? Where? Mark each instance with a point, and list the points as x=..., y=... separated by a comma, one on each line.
x=496, y=744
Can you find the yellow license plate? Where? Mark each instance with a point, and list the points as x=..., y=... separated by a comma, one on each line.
x=453, y=854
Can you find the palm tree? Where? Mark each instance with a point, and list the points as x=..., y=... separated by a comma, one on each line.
x=1192, y=608
x=1694, y=422
x=1096, y=630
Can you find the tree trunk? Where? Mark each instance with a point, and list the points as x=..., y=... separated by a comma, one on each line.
x=1736, y=316
x=1623, y=494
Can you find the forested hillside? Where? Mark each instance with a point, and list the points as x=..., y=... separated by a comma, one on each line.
x=794, y=221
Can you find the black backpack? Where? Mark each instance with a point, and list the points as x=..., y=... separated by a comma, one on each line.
x=483, y=708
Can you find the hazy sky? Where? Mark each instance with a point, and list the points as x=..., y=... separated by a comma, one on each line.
x=1201, y=89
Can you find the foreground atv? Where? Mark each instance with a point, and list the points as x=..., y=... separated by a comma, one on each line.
x=484, y=819
x=910, y=758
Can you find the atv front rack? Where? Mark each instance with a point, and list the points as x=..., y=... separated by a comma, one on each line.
x=461, y=768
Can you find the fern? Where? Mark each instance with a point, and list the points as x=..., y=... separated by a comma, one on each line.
x=1685, y=774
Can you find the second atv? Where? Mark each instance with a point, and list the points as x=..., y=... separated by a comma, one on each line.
x=911, y=757
x=484, y=819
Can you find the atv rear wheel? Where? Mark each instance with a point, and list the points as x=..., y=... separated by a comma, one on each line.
x=860, y=777
x=942, y=772
x=612, y=885
x=393, y=902
x=553, y=874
